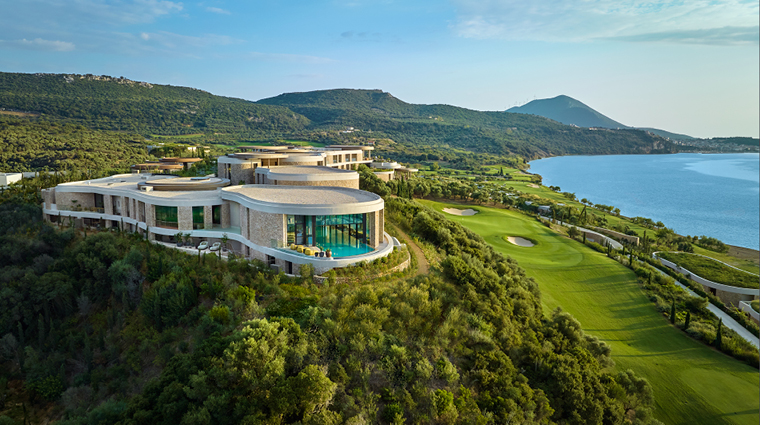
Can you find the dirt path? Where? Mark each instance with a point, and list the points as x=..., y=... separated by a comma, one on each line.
x=422, y=264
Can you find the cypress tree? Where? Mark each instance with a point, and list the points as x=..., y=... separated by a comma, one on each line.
x=688, y=319
x=718, y=335
x=584, y=238
x=673, y=312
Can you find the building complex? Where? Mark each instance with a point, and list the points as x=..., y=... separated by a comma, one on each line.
x=282, y=205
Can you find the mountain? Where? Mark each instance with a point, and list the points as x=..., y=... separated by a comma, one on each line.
x=570, y=111
x=106, y=103
x=567, y=110
x=444, y=125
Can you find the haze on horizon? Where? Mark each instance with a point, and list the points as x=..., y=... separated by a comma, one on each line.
x=685, y=67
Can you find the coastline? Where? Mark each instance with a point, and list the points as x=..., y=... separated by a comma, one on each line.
x=661, y=190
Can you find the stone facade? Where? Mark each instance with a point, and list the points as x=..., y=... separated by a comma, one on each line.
x=731, y=298
x=242, y=172
x=634, y=240
x=226, y=214
x=185, y=218
x=351, y=184
x=208, y=217
x=266, y=227
x=65, y=200
x=385, y=176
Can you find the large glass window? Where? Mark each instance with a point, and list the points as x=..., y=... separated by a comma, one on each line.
x=198, y=218
x=344, y=235
x=216, y=215
x=166, y=217
x=99, y=203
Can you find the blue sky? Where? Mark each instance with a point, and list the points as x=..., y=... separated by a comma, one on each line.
x=684, y=66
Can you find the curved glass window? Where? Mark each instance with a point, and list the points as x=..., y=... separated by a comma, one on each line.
x=344, y=235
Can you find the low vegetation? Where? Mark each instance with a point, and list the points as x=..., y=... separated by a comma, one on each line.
x=608, y=300
x=108, y=328
x=713, y=270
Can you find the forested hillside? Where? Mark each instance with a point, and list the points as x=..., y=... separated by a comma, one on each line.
x=109, y=328
x=40, y=145
x=118, y=104
x=439, y=125
x=106, y=103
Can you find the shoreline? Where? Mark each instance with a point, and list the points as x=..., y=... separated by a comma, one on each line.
x=754, y=253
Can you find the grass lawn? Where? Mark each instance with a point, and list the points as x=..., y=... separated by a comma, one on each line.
x=712, y=270
x=692, y=383
x=748, y=263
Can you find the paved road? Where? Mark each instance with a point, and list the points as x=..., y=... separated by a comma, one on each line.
x=728, y=321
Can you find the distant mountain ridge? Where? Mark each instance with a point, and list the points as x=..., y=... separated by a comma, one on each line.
x=567, y=110
x=155, y=110
x=445, y=125
x=570, y=111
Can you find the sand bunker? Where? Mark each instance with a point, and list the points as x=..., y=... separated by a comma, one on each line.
x=455, y=211
x=535, y=186
x=516, y=240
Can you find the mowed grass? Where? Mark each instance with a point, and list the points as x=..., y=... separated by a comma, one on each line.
x=692, y=383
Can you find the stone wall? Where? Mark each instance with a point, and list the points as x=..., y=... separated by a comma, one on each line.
x=244, y=230
x=622, y=236
x=226, y=214
x=384, y=176
x=351, y=184
x=208, y=217
x=349, y=279
x=185, y=218
x=65, y=200
x=242, y=172
x=731, y=298
x=264, y=227
x=48, y=197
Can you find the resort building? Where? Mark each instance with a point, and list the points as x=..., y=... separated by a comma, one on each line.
x=294, y=207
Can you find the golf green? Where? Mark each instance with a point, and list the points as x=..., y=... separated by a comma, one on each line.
x=692, y=383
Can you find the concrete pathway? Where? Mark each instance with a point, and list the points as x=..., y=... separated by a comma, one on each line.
x=728, y=321
x=615, y=244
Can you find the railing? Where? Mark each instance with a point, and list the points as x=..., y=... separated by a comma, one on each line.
x=167, y=224
x=80, y=208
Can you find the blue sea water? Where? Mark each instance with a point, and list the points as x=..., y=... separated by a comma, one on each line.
x=716, y=195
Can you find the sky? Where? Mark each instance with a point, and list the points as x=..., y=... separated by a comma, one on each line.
x=686, y=66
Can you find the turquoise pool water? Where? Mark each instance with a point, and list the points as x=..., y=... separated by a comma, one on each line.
x=346, y=250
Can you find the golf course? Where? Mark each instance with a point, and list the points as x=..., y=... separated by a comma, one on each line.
x=692, y=383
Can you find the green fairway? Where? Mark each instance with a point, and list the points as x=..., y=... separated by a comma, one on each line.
x=692, y=383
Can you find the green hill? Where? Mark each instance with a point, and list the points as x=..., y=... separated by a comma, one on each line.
x=107, y=103
x=570, y=111
x=442, y=125
x=118, y=104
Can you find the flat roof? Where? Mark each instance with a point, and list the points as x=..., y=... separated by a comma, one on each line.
x=305, y=169
x=127, y=185
x=302, y=195
x=186, y=184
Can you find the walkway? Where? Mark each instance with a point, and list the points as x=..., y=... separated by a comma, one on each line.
x=613, y=243
x=422, y=263
x=728, y=321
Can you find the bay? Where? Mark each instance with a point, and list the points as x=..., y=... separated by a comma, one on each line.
x=716, y=195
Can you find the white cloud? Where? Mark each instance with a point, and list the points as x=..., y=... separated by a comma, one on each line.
x=39, y=44
x=561, y=20
x=172, y=40
x=80, y=13
x=218, y=10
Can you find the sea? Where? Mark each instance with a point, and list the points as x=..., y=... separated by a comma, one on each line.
x=716, y=195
